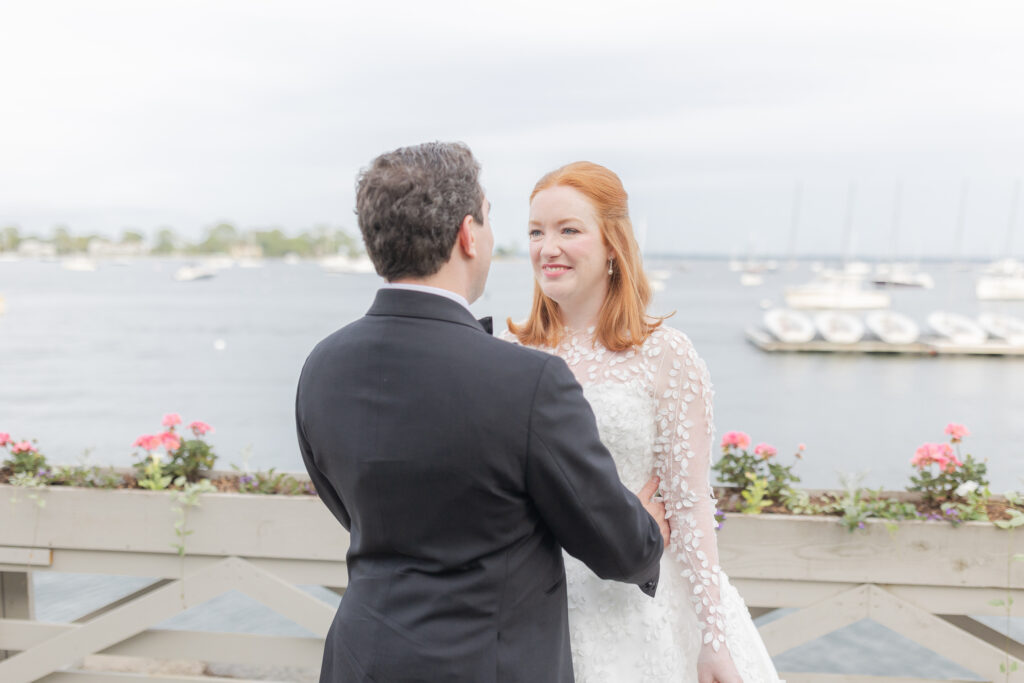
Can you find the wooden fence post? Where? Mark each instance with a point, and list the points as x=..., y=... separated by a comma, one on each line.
x=16, y=599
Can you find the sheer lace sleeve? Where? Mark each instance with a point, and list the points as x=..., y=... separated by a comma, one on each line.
x=683, y=460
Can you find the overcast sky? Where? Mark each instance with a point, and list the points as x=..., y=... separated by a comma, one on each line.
x=142, y=114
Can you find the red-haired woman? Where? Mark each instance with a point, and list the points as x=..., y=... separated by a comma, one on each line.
x=651, y=395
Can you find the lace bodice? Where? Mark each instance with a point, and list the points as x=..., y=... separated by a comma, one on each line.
x=654, y=410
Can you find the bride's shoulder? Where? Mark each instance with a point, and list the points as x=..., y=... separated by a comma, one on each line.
x=506, y=335
x=667, y=338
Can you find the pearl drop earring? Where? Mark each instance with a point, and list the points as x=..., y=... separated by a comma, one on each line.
x=611, y=271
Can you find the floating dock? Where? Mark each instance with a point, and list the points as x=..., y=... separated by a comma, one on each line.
x=929, y=346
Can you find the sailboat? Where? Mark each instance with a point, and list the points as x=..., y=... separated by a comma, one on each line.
x=894, y=273
x=839, y=289
x=1004, y=279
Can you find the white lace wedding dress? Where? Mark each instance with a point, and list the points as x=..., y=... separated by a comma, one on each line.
x=653, y=410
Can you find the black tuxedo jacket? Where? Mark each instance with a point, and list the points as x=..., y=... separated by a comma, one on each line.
x=461, y=465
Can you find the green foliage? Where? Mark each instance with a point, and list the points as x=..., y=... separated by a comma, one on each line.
x=31, y=483
x=735, y=464
x=85, y=477
x=938, y=487
x=191, y=459
x=754, y=495
x=269, y=482
x=154, y=478
x=799, y=502
x=166, y=242
x=187, y=497
x=10, y=238
x=858, y=505
x=1016, y=520
x=26, y=462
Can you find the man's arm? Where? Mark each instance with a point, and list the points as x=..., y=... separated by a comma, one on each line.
x=323, y=487
x=572, y=479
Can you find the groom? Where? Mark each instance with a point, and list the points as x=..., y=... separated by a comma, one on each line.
x=461, y=464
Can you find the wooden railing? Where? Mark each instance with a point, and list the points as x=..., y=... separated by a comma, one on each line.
x=922, y=581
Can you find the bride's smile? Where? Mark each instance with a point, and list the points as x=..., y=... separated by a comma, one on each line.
x=569, y=256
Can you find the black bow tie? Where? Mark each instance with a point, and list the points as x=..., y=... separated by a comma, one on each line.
x=487, y=324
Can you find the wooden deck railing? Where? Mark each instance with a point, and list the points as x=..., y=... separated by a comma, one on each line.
x=923, y=581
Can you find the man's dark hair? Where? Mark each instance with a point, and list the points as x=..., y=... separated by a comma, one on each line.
x=410, y=204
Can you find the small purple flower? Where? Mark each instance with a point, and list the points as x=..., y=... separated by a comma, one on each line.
x=860, y=525
x=246, y=480
x=43, y=473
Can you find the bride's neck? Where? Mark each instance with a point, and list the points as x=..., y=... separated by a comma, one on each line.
x=580, y=319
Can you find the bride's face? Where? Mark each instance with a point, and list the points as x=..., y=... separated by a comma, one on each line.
x=569, y=256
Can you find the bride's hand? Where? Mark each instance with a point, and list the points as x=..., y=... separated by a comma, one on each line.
x=716, y=667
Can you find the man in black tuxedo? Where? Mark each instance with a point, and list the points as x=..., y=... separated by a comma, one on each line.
x=461, y=464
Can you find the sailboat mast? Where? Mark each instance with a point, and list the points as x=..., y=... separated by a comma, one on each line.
x=1014, y=202
x=961, y=221
x=794, y=224
x=851, y=196
x=897, y=211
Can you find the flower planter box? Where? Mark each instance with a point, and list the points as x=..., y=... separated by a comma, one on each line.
x=135, y=521
x=922, y=580
x=916, y=553
x=260, y=545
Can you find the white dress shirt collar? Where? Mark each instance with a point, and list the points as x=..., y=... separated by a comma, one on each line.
x=458, y=298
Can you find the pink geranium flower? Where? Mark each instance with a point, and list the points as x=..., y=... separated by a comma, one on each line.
x=200, y=428
x=171, y=419
x=148, y=442
x=170, y=441
x=764, y=450
x=957, y=432
x=735, y=439
x=22, y=447
x=5, y=438
x=940, y=454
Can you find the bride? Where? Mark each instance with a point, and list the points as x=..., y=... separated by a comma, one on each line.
x=651, y=395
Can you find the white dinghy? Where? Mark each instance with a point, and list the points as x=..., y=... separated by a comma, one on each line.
x=958, y=329
x=892, y=328
x=839, y=328
x=789, y=326
x=1003, y=326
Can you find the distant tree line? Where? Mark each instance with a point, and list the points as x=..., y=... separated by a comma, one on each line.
x=222, y=238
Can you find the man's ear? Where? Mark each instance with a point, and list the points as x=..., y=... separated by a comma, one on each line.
x=467, y=236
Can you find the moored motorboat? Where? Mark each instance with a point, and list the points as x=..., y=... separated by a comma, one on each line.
x=78, y=264
x=892, y=327
x=192, y=273
x=839, y=328
x=789, y=326
x=341, y=263
x=1000, y=287
x=844, y=293
x=901, y=275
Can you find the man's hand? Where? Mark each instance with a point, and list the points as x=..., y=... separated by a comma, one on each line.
x=655, y=507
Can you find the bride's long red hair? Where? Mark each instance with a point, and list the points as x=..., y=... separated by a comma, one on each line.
x=623, y=321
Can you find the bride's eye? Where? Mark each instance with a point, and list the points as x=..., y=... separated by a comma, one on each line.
x=534, y=234
x=569, y=231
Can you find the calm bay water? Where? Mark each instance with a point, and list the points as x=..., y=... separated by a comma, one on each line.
x=91, y=360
